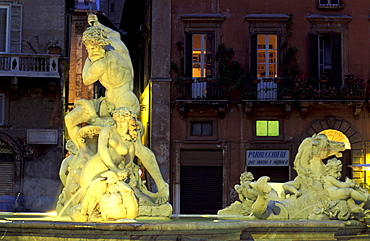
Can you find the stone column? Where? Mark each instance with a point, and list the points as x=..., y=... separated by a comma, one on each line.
x=160, y=84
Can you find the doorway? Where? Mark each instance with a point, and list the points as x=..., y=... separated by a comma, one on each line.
x=201, y=181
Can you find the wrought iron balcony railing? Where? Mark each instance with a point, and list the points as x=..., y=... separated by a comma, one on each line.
x=29, y=65
x=200, y=89
x=269, y=89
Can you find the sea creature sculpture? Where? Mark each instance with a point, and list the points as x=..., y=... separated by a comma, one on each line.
x=316, y=192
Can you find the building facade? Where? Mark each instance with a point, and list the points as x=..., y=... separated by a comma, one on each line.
x=32, y=80
x=233, y=86
x=237, y=86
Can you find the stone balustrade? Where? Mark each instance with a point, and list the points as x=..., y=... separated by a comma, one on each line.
x=29, y=65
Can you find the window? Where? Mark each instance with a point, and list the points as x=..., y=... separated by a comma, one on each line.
x=10, y=28
x=265, y=32
x=266, y=55
x=326, y=55
x=4, y=13
x=201, y=128
x=267, y=128
x=329, y=2
x=199, y=55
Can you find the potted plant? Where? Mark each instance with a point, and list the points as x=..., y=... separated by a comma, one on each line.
x=54, y=48
x=302, y=88
x=231, y=74
x=251, y=95
x=278, y=80
x=284, y=92
x=324, y=77
x=349, y=78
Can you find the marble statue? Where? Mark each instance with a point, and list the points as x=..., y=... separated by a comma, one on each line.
x=247, y=197
x=102, y=176
x=316, y=192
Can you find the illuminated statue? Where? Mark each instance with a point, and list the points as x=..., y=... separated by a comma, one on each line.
x=316, y=192
x=105, y=171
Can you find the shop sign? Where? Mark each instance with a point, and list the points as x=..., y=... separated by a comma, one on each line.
x=267, y=157
x=42, y=136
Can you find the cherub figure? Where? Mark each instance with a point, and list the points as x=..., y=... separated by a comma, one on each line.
x=245, y=191
x=338, y=190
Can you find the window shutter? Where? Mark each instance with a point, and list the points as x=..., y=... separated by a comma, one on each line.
x=253, y=55
x=314, y=55
x=6, y=169
x=336, y=56
x=2, y=102
x=15, y=28
x=188, y=62
x=210, y=49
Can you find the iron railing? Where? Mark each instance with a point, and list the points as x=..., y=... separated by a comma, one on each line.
x=269, y=89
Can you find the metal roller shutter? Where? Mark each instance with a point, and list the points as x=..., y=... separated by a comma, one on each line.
x=201, y=182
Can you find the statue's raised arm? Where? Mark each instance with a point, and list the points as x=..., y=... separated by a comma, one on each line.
x=114, y=38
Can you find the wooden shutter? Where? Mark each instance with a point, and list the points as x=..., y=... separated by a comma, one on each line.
x=2, y=110
x=314, y=55
x=336, y=56
x=253, y=55
x=209, y=55
x=15, y=28
x=188, y=51
x=6, y=169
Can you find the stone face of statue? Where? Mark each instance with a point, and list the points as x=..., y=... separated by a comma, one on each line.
x=95, y=52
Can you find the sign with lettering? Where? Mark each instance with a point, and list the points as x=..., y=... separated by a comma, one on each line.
x=267, y=158
x=42, y=136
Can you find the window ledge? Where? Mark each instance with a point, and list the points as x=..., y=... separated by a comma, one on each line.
x=203, y=17
x=329, y=18
x=329, y=6
x=266, y=17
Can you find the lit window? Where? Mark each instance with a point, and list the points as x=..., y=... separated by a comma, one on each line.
x=266, y=55
x=203, y=128
x=199, y=55
x=202, y=56
x=267, y=128
x=3, y=27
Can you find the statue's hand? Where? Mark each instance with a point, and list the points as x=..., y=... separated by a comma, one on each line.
x=92, y=19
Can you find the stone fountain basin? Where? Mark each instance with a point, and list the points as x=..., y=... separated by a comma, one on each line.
x=39, y=226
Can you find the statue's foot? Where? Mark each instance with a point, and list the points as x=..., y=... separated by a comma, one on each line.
x=162, y=194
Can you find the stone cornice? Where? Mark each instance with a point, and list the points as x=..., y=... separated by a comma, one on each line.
x=266, y=17
x=341, y=18
x=203, y=17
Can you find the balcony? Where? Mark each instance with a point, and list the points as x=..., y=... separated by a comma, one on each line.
x=270, y=89
x=199, y=89
x=29, y=65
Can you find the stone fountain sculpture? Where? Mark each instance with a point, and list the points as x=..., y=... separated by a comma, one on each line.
x=316, y=192
x=102, y=174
